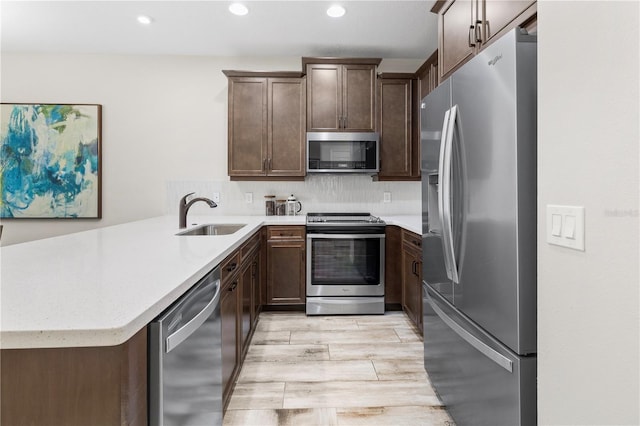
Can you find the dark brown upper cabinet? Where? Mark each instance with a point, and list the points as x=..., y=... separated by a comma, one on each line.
x=399, y=149
x=267, y=125
x=341, y=94
x=427, y=75
x=467, y=26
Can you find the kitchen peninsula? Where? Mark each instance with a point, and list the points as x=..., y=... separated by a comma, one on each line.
x=89, y=296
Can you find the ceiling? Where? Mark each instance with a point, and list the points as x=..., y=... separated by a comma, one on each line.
x=385, y=29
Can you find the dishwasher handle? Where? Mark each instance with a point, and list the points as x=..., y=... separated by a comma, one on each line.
x=180, y=335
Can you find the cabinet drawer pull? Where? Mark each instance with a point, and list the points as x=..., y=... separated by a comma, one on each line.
x=487, y=31
x=233, y=286
x=414, y=268
x=471, y=31
x=232, y=267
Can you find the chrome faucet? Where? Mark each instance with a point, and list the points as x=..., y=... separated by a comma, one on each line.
x=185, y=206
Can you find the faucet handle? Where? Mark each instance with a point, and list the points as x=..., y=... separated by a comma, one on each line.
x=183, y=200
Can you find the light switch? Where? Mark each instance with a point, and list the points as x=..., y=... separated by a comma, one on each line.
x=556, y=225
x=565, y=226
x=569, y=230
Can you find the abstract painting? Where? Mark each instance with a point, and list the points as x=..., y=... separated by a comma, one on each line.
x=50, y=165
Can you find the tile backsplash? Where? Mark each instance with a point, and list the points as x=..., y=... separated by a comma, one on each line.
x=317, y=193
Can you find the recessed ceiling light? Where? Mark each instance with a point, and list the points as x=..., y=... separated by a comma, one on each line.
x=336, y=11
x=145, y=20
x=238, y=9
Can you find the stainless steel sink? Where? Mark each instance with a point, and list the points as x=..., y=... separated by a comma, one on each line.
x=214, y=229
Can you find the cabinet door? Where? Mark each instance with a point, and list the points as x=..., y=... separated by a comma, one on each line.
x=499, y=14
x=247, y=126
x=324, y=100
x=229, y=318
x=256, y=286
x=394, y=125
x=393, y=265
x=246, y=282
x=286, y=126
x=359, y=97
x=286, y=272
x=456, y=35
x=411, y=285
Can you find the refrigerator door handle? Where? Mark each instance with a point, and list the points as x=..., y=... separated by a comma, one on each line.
x=441, y=190
x=444, y=195
x=490, y=353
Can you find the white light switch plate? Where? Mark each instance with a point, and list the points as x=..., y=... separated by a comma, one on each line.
x=216, y=197
x=386, y=197
x=248, y=197
x=565, y=226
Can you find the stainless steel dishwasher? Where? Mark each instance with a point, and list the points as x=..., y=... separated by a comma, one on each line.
x=185, y=359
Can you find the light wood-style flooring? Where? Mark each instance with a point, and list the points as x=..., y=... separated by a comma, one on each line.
x=334, y=370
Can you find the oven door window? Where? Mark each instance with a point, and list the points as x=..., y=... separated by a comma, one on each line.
x=345, y=261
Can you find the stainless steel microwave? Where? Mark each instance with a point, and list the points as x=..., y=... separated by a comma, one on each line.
x=343, y=152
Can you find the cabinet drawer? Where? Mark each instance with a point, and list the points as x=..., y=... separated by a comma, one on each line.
x=412, y=239
x=286, y=232
x=249, y=246
x=230, y=266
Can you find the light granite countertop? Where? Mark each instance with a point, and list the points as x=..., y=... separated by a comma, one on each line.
x=99, y=287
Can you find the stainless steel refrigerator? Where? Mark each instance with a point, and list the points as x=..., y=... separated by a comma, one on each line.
x=478, y=167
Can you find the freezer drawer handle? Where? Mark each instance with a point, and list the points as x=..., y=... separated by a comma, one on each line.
x=494, y=356
x=186, y=330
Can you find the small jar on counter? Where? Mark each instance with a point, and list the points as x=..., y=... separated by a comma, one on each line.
x=281, y=207
x=270, y=205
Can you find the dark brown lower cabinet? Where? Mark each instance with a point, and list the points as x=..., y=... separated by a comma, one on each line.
x=286, y=265
x=229, y=308
x=393, y=268
x=412, y=277
x=75, y=386
x=239, y=307
x=256, y=287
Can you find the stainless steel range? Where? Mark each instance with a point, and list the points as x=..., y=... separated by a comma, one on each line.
x=345, y=264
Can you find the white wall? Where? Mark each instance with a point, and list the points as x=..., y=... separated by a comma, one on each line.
x=588, y=118
x=164, y=123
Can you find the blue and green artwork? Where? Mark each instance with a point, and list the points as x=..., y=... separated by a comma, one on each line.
x=50, y=161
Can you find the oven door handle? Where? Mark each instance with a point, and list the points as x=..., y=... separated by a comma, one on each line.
x=343, y=236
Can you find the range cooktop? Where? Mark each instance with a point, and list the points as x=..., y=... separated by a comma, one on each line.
x=343, y=218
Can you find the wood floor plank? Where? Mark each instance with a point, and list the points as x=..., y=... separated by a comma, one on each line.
x=307, y=371
x=358, y=394
x=287, y=353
